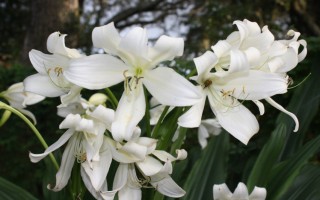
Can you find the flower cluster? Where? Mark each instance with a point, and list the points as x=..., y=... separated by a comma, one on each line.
x=249, y=65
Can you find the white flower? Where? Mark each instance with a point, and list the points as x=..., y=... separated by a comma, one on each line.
x=50, y=80
x=136, y=154
x=222, y=192
x=249, y=65
x=87, y=144
x=137, y=66
x=19, y=99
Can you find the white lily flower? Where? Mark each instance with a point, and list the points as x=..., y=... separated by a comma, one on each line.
x=87, y=144
x=137, y=66
x=222, y=192
x=50, y=80
x=18, y=98
x=136, y=154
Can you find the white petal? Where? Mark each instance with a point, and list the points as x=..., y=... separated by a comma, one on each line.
x=67, y=161
x=133, y=46
x=106, y=37
x=103, y=114
x=253, y=56
x=72, y=96
x=205, y=63
x=131, y=109
x=238, y=61
x=170, y=88
x=166, y=48
x=61, y=141
x=192, y=118
x=56, y=45
x=149, y=166
x=87, y=182
x=236, y=119
x=42, y=85
x=130, y=193
x=166, y=157
x=221, y=192
x=282, y=109
x=241, y=192
x=221, y=48
x=258, y=193
x=202, y=136
x=96, y=71
x=168, y=187
x=71, y=121
x=150, y=143
x=260, y=106
x=303, y=53
x=42, y=62
x=261, y=41
x=29, y=114
x=254, y=85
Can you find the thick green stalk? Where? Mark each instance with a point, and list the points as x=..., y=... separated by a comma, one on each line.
x=33, y=128
x=5, y=116
x=113, y=99
x=155, y=132
x=147, y=114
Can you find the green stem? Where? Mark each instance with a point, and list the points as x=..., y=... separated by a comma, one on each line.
x=5, y=116
x=33, y=128
x=113, y=99
x=147, y=114
x=179, y=141
x=155, y=132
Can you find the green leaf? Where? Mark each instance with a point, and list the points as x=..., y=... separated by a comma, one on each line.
x=267, y=158
x=284, y=173
x=210, y=169
x=306, y=185
x=10, y=191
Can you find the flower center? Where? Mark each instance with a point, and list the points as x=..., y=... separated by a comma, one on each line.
x=57, y=78
x=131, y=82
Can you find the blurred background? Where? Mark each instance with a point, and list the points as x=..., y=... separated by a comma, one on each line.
x=26, y=24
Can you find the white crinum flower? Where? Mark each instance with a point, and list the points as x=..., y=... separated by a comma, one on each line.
x=140, y=154
x=50, y=80
x=206, y=128
x=137, y=66
x=20, y=99
x=248, y=65
x=87, y=144
x=222, y=192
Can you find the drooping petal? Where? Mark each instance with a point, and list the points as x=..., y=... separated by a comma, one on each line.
x=258, y=193
x=303, y=53
x=235, y=118
x=61, y=141
x=166, y=157
x=192, y=118
x=87, y=182
x=254, y=85
x=170, y=88
x=203, y=134
x=166, y=48
x=106, y=37
x=260, y=106
x=67, y=161
x=221, y=48
x=238, y=61
x=29, y=114
x=221, y=191
x=167, y=187
x=282, y=109
x=241, y=192
x=42, y=85
x=208, y=127
x=103, y=114
x=71, y=121
x=130, y=193
x=72, y=96
x=43, y=62
x=96, y=71
x=150, y=143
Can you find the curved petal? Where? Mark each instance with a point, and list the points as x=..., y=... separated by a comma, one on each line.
x=254, y=85
x=205, y=63
x=150, y=143
x=166, y=48
x=71, y=121
x=260, y=106
x=42, y=85
x=67, y=161
x=258, y=193
x=279, y=107
x=236, y=119
x=103, y=114
x=170, y=88
x=203, y=134
x=130, y=193
x=61, y=141
x=303, y=53
x=167, y=157
x=238, y=61
x=56, y=45
x=221, y=48
x=42, y=62
x=168, y=187
x=106, y=37
x=29, y=114
x=87, y=182
x=261, y=41
x=192, y=118
x=72, y=96
x=149, y=166
x=221, y=191
x=241, y=192
x=131, y=109
x=96, y=71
